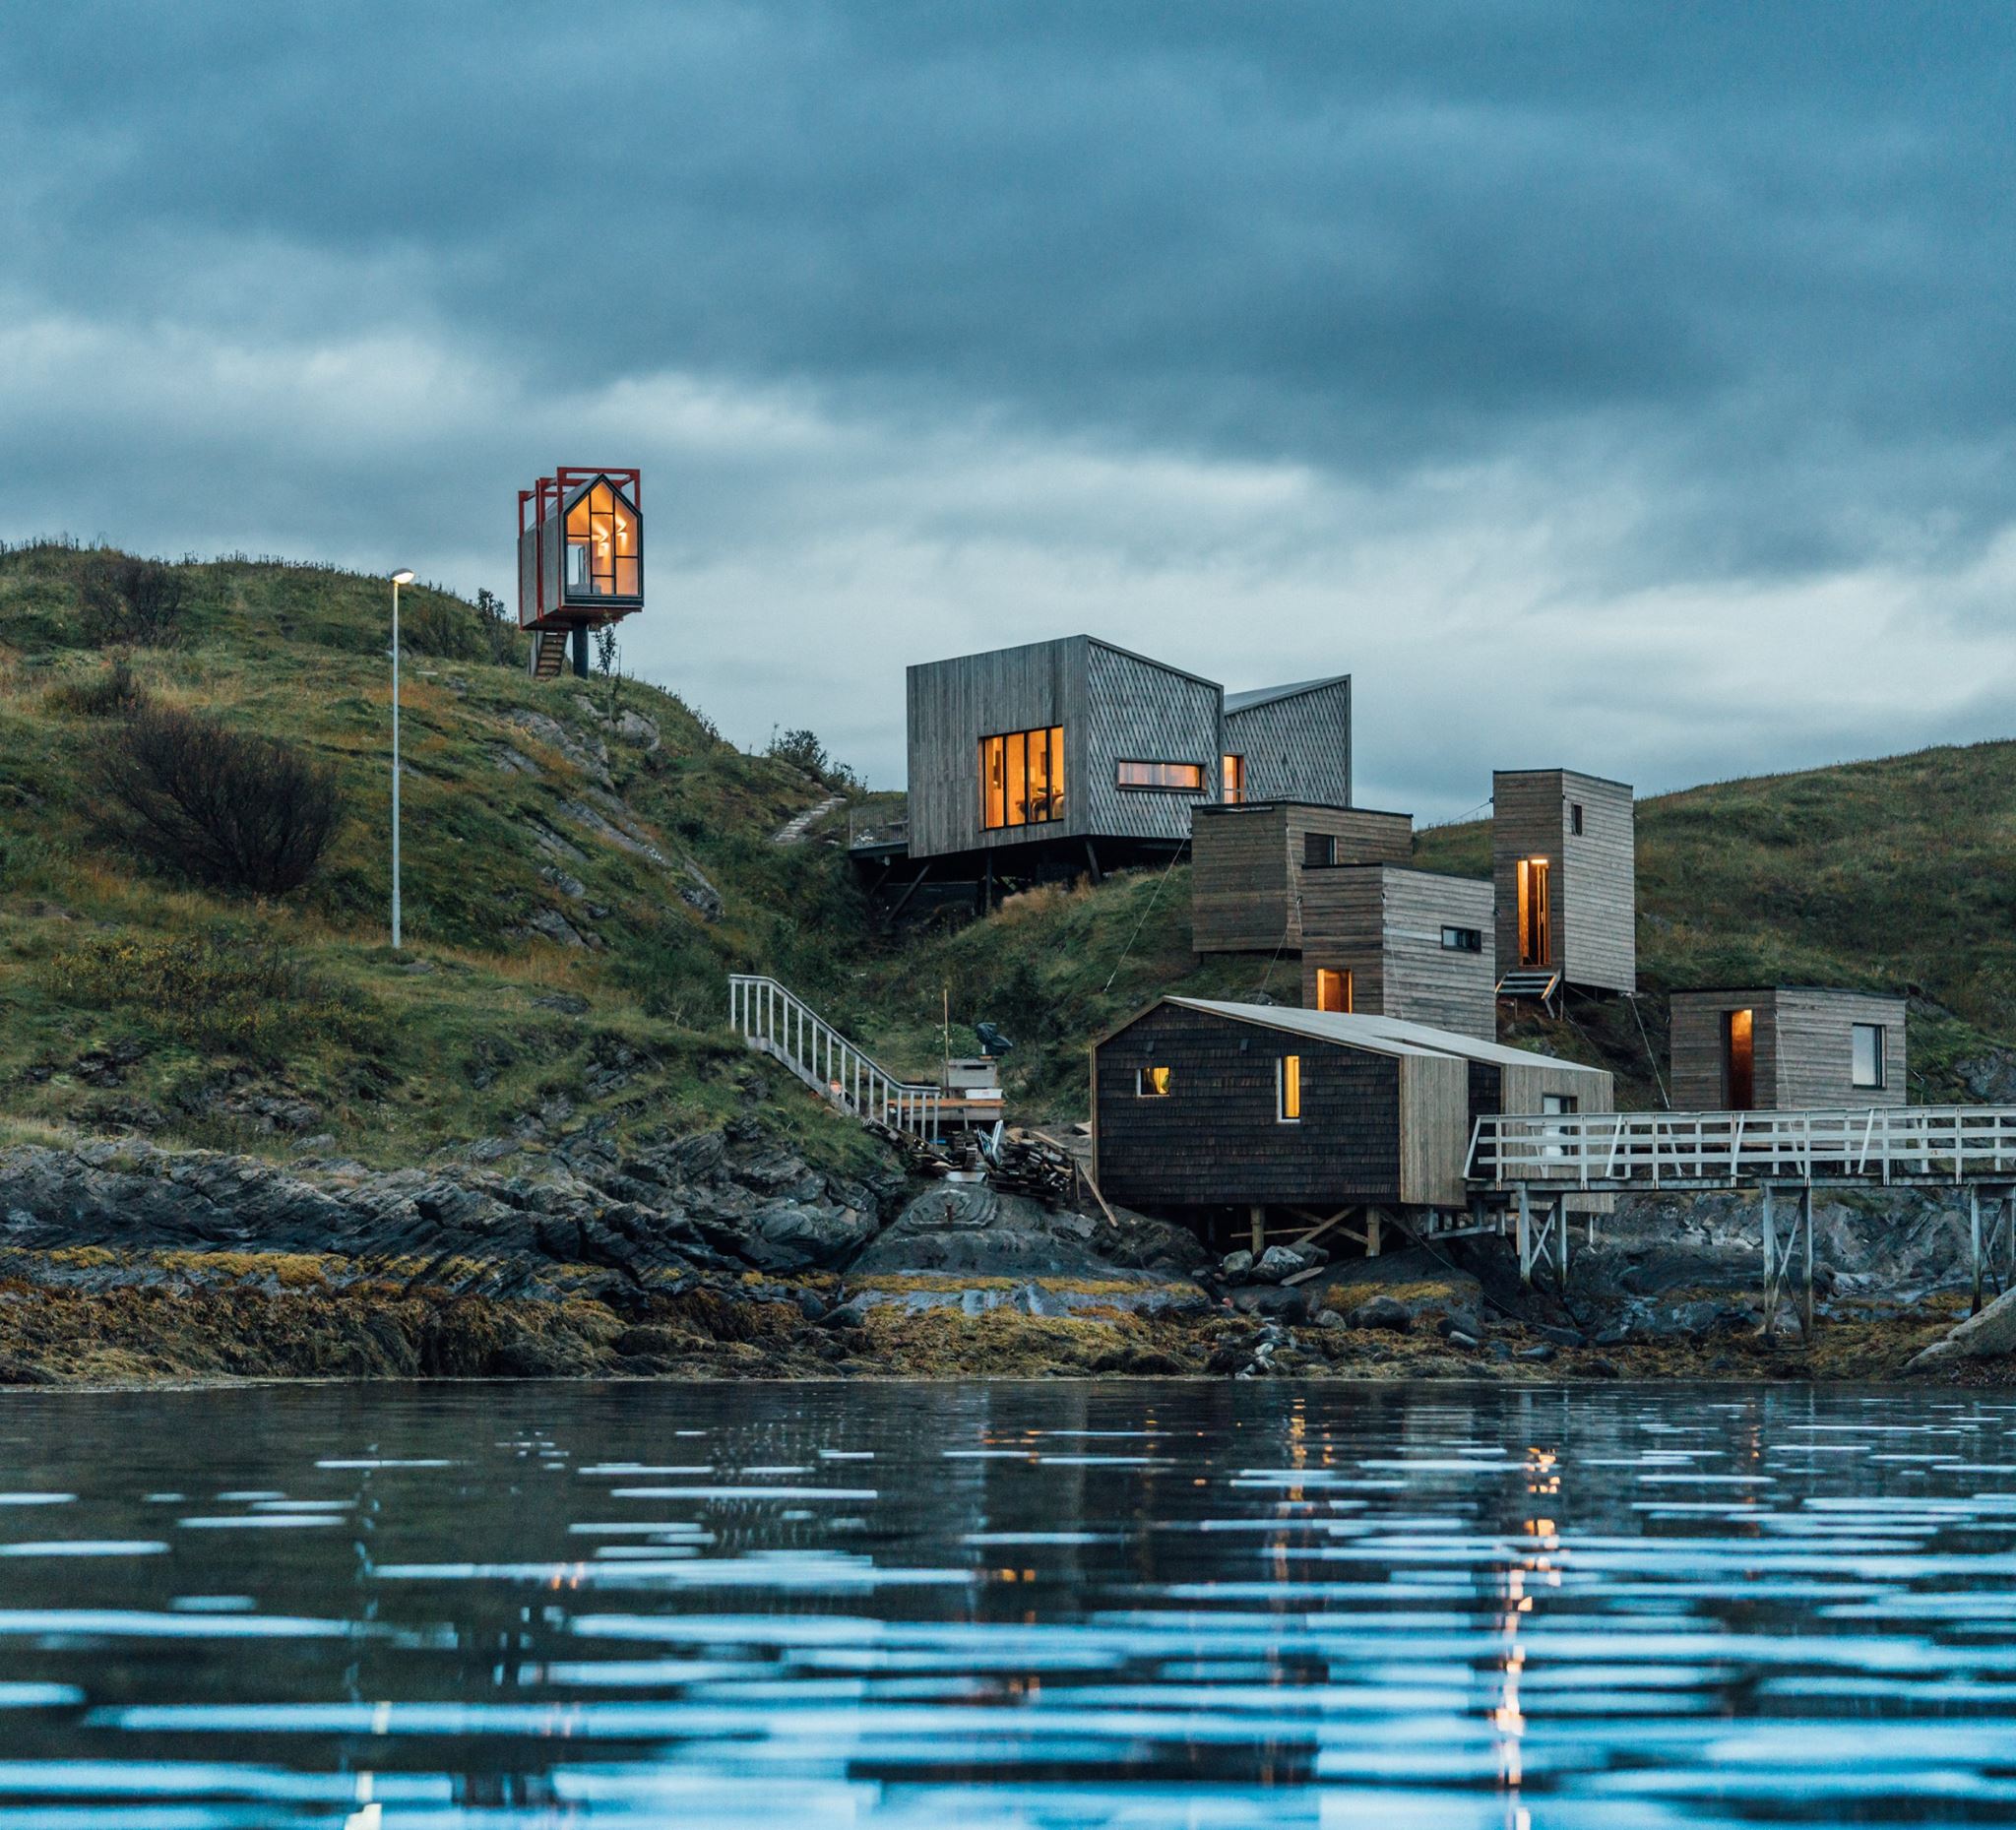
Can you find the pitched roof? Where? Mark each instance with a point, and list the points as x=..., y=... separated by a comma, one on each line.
x=1380, y=1034
x=1267, y=695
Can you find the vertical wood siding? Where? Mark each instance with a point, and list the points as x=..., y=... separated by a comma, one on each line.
x=1297, y=748
x=1593, y=888
x=1802, y=1047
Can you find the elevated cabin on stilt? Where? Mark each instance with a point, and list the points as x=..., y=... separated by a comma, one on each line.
x=1234, y=1117
x=1563, y=860
x=579, y=562
x=1061, y=758
x=1787, y=1048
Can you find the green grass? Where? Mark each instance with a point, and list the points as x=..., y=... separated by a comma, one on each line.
x=122, y=990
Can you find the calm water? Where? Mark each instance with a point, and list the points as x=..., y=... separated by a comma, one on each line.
x=1038, y=1604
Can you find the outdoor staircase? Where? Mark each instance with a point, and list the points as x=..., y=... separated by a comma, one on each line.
x=775, y=1023
x=549, y=654
x=1540, y=983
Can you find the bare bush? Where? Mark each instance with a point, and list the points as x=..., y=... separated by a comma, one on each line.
x=132, y=602
x=114, y=692
x=226, y=808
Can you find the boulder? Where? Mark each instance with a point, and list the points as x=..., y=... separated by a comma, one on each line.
x=1278, y=1263
x=1980, y=1337
x=1382, y=1311
x=1235, y=1266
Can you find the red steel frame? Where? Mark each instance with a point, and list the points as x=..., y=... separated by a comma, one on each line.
x=547, y=496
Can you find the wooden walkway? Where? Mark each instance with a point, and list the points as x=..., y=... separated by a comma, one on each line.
x=775, y=1023
x=1530, y=1166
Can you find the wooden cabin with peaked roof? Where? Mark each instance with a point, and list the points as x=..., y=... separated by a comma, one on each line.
x=1563, y=860
x=1786, y=1048
x=1216, y=1112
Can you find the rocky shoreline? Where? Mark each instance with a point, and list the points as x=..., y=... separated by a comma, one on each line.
x=720, y=1254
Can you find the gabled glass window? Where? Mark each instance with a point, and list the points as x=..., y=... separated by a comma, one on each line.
x=605, y=544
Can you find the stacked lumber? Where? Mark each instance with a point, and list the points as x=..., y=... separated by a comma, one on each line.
x=1033, y=1165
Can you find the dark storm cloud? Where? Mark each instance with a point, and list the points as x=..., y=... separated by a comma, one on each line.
x=1752, y=260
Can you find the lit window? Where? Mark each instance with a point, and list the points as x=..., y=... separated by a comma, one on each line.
x=604, y=545
x=1463, y=940
x=1180, y=777
x=1021, y=777
x=1153, y=1083
x=1288, y=1085
x=1334, y=989
x=1868, y=1055
x=1235, y=775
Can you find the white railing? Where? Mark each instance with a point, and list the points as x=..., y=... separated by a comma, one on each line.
x=1655, y=1149
x=775, y=1022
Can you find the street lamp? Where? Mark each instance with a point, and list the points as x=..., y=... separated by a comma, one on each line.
x=404, y=576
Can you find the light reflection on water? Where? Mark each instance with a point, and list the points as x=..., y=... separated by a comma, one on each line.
x=1036, y=1605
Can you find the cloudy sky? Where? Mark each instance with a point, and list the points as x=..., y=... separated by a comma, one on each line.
x=1624, y=387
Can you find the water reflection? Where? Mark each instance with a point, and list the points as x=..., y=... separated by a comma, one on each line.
x=1030, y=1604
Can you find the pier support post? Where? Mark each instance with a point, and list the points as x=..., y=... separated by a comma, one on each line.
x=1769, y=1261
x=1973, y=1239
x=1806, y=1221
x=1258, y=1216
x=1372, y=1217
x=1525, y=1236
x=1561, y=1239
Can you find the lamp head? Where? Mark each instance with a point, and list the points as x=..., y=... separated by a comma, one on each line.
x=404, y=576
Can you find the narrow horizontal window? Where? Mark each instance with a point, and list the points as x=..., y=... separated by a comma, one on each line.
x=1021, y=777
x=1868, y=1055
x=1153, y=1083
x=1463, y=939
x=1178, y=778
x=1288, y=1088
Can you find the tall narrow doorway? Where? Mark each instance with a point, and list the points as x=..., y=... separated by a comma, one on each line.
x=1536, y=930
x=1334, y=989
x=1739, y=1060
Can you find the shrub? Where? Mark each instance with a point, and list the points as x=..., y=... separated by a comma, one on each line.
x=802, y=749
x=230, y=809
x=114, y=693
x=132, y=602
x=226, y=991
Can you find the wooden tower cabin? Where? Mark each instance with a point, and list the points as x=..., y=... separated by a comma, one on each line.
x=1563, y=860
x=1229, y=1115
x=579, y=562
x=1073, y=755
x=1787, y=1048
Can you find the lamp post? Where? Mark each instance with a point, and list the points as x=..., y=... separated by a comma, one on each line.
x=404, y=576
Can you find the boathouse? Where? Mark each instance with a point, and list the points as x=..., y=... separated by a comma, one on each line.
x=1385, y=940
x=1563, y=860
x=1248, y=861
x=1787, y=1048
x=1221, y=1113
x=1077, y=754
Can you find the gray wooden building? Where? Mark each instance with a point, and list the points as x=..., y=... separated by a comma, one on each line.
x=1385, y=940
x=1216, y=1113
x=1564, y=863
x=1787, y=1048
x=1248, y=861
x=1080, y=752
x=1290, y=742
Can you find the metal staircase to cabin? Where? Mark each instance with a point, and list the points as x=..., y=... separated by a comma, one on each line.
x=549, y=654
x=1538, y=982
x=775, y=1023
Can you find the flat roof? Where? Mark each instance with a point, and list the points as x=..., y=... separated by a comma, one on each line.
x=1313, y=806
x=1380, y=1034
x=1267, y=695
x=1561, y=769
x=1893, y=997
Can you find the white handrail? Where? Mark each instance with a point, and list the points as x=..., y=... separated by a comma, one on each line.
x=1627, y=1150
x=774, y=1021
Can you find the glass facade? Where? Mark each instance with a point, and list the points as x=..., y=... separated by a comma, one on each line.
x=605, y=545
x=1021, y=777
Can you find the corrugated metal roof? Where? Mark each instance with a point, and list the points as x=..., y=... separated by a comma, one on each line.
x=1380, y=1034
x=1266, y=695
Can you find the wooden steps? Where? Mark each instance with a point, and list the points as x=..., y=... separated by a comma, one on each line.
x=549, y=654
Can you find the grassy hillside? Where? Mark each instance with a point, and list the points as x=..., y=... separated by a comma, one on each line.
x=578, y=887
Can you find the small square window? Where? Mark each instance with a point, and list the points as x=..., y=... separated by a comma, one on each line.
x=1867, y=1060
x=1319, y=849
x=1463, y=939
x=1289, y=1090
x=1153, y=1083
x=1575, y=817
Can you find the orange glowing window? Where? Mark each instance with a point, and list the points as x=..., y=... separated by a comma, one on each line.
x=1334, y=989
x=1233, y=777
x=605, y=544
x=1177, y=777
x=1288, y=1086
x=1153, y=1083
x=1021, y=777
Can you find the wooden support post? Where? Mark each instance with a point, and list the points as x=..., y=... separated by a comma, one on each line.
x=1092, y=858
x=1258, y=1216
x=1973, y=1239
x=1769, y=1262
x=916, y=883
x=1561, y=1239
x=1373, y=1220
x=1525, y=1236
x=1806, y=1221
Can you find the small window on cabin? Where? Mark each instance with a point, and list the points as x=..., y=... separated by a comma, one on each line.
x=1232, y=773
x=1289, y=1091
x=1334, y=989
x=1553, y=1138
x=1463, y=940
x=1153, y=1083
x=1575, y=817
x=1319, y=851
x=1557, y=1104
x=1021, y=777
x=1868, y=1055
x=1171, y=778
